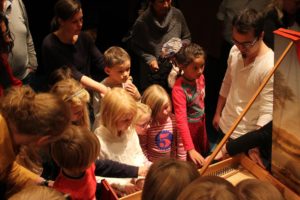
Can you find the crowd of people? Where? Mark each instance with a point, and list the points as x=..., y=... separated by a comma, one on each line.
x=94, y=120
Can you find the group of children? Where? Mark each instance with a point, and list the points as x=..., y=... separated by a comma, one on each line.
x=132, y=129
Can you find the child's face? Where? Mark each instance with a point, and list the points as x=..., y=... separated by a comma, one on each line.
x=119, y=73
x=124, y=122
x=143, y=124
x=164, y=113
x=76, y=112
x=194, y=70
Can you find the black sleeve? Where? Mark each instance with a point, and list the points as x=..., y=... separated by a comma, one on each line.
x=109, y=168
x=258, y=138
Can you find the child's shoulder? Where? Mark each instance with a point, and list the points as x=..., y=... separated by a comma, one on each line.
x=172, y=118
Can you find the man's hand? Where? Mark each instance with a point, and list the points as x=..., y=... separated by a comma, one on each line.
x=215, y=122
x=254, y=154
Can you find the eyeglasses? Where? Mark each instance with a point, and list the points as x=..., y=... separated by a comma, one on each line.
x=245, y=45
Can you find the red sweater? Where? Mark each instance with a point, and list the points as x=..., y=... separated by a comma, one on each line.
x=7, y=78
x=188, y=101
x=83, y=188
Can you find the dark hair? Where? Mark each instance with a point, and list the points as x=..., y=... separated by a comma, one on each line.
x=209, y=188
x=5, y=47
x=64, y=9
x=188, y=53
x=167, y=178
x=249, y=20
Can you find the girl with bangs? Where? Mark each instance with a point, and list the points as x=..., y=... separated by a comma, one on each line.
x=118, y=138
x=162, y=139
x=72, y=92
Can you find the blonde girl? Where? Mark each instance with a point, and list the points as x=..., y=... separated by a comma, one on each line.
x=142, y=123
x=72, y=92
x=117, y=136
x=162, y=138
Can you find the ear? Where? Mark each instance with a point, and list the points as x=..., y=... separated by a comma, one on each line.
x=107, y=70
x=43, y=140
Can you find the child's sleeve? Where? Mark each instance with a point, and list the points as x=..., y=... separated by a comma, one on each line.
x=180, y=107
x=110, y=168
x=180, y=151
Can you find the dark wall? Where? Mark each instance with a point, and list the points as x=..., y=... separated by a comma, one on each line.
x=204, y=26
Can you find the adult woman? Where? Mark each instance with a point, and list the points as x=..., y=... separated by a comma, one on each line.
x=7, y=78
x=26, y=118
x=66, y=45
x=158, y=24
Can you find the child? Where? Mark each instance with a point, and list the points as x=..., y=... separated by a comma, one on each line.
x=38, y=193
x=253, y=189
x=167, y=178
x=117, y=67
x=209, y=188
x=188, y=99
x=118, y=139
x=75, y=152
x=162, y=138
x=72, y=92
x=26, y=118
x=142, y=122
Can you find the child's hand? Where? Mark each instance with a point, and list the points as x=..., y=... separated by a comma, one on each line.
x=196, y=157
x=130, y=188
x=132, y=90
x=143, y=170
x=154, y=65
x=140, y=183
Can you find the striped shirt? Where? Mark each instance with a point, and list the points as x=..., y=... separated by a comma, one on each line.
x=162, y=141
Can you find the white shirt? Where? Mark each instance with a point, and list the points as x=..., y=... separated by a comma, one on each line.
x=239, y=85
x=125, y=149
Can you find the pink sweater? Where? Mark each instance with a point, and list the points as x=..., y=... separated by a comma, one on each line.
x=162, y=141
x=188, y=101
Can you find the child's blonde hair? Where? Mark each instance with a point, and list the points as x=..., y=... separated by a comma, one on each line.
x=115, y=105
x=38, y=193
x=115, y=56
x=72, y=92
x=155, y=97
x=76, y=149
x=253, y=189
x=167, y=177
x=209, y=188
x=142, y=110
x=41, y=114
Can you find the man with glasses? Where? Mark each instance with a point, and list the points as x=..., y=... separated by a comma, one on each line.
x=249, y=62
